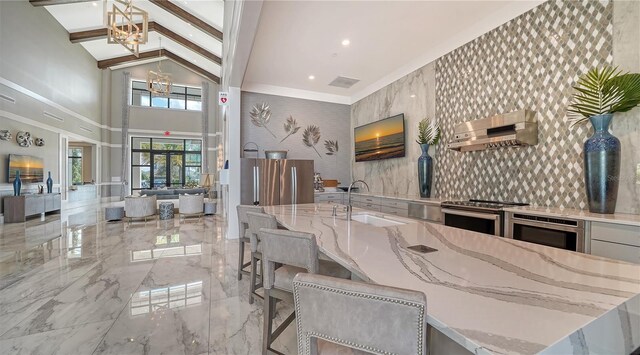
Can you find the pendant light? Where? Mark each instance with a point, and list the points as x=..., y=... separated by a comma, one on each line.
x=158, y=82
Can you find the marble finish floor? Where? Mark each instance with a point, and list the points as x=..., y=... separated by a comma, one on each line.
x=74, y=284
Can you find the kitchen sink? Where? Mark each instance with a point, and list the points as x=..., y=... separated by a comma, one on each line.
x=376, y=221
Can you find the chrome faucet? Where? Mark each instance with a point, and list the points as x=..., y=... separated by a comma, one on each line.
x=349, y=207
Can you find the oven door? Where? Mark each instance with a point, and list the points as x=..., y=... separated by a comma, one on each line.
x=488, y=223
x=567, y=237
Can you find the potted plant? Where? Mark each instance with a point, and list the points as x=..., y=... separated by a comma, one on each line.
x=598, y=95
x=428, y=134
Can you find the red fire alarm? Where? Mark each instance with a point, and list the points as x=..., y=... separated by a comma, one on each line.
x=167, y=133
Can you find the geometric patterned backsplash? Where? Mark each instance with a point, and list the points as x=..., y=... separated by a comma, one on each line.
x=530, y=62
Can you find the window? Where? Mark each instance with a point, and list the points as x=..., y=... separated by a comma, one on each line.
x=180, y=98
x=75, y=165
x=165, y=162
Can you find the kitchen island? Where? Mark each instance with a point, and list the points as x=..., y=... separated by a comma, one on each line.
x=490, y=295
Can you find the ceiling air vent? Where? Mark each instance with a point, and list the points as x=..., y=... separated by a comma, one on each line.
x=343, y=82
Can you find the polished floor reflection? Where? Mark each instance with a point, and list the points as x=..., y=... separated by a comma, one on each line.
x=74, y=284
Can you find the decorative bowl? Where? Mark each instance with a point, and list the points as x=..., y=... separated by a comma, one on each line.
x=275, y=154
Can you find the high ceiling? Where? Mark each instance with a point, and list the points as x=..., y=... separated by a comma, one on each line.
x=388, y=39
x=88, y=15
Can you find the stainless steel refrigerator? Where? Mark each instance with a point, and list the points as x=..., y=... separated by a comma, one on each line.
x=267, y=182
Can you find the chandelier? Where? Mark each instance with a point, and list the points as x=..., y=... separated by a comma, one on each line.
x=158, y=82
x=128, y=27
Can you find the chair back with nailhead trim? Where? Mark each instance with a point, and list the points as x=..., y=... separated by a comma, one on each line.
x=372, y=318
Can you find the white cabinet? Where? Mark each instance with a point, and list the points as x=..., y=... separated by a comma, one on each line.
x=366, y=200
x=335, y=198
x=392, y=206
x=615, y=251
x=402, y=212
x=366, y=206
x=427, y=212
x=615, y=241
x=395, y=207
x=381, y=204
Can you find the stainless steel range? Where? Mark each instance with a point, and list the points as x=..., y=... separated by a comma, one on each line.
x=477, y=215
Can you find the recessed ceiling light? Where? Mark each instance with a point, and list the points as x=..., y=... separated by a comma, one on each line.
x=94, y=4
x=346, y=42
x=190, y=34
x=413, y=95
x=311, y=77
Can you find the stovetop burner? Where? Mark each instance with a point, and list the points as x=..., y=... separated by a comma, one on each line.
x=482, y=204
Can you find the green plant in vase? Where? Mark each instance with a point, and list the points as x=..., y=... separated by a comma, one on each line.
x=599, y=94
x=428, y=134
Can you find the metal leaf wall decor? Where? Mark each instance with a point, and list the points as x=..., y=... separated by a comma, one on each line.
x=24, y=139
x=260, y=115
x=331, y=147
x=290, y=127
x=5, y=135
x=311, y=137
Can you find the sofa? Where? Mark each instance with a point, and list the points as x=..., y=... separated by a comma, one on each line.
x=172, y=194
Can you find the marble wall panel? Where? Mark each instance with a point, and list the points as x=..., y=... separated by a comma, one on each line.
x=413, y=95
x=626, y=126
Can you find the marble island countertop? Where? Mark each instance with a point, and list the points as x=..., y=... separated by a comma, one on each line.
x=491, y=295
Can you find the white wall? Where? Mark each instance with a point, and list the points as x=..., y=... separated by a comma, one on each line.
x=153, y=122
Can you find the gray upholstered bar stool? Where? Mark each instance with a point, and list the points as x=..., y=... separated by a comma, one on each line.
x=257, y=221
x=297, y=252
x=335, y=315
x=243, y=228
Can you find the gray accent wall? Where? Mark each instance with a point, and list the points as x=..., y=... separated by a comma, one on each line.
x=53, y=87
x=332, y=119
x=530, y=62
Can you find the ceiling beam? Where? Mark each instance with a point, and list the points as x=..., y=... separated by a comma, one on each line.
x=188, y=17
x=90, y=35
x=55, y=2
x=112, y=62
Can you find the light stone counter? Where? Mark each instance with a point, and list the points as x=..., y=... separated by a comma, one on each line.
x=411, y=198
x=617, y=218
x=488, y=294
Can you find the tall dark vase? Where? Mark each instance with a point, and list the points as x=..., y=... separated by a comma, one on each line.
x=17, y=184
x=49, y=183
x=602, y=166
x=425, y=168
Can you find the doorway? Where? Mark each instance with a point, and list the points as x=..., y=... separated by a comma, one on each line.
x=81, y=171
x=165, y=162
x=167, y=169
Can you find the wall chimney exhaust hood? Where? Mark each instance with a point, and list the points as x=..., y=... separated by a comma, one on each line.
x=515, y=129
